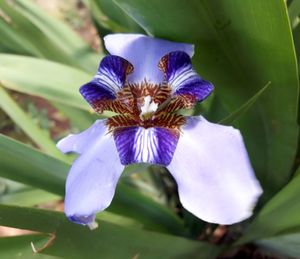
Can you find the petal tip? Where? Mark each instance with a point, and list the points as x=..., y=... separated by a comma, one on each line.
x=63, y=145
x=84, y=220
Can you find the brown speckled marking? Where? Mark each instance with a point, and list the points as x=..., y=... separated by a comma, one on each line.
x=130, y=100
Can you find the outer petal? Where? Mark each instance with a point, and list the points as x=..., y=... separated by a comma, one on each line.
x=79, y=143
x=180, y=75
x=140, y=145
x=214, y=176
x=144, y=53
x=109, y=79
x=92, y=179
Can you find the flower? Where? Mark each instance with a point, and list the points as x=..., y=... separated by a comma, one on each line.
x=145, y=81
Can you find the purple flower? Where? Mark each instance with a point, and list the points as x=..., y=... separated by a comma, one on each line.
x=145, y=81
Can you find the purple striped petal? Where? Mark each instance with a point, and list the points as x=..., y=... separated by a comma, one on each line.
x=214, y=176
x=109, y=79
x=144, y=53
x=93, y=177
x=140, y=145
x=180, y=75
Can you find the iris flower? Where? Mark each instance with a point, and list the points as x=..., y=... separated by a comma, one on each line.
x=145, y=82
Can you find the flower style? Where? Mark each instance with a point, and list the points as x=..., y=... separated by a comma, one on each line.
x=145, y=81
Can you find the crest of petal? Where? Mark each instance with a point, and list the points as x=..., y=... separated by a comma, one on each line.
x=144, y=53
x=92, y=179
x=140, y=145
x=109, y=79
x=179, y=73
x=215, y=179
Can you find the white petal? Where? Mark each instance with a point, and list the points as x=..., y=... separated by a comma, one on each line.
x=215, y=179
x=80, y=142
x=144, y=53
x=92, y=181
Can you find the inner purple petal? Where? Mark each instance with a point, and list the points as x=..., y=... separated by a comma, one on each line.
x=115, y=68
x=93, y=92
x=196, y=87
x=179, y=74
x=175, y=61
x=110, y=79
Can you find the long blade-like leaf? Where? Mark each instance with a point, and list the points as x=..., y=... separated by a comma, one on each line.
x=47, y=79
x=294, y=12
x=39, y=136
x=19, y=247
x=244, y=108
x=283, y=245
x=29, y=30
x=108, y=241
x=280, y=215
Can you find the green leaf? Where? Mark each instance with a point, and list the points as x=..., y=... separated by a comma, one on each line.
x=107, y=241
x=238, y=48
x=294, y=12
x=47, y=79
x=32, y=168
x=29, y=30
x=19, y=247
x=296, y=35
x=283, y=245
x=28, y=197
x=79, y=119
x=244, y=108
x=39, y=136
x=280, y=215
x=110, y=17
x=42, y=171
x=36, y=77
x=15, y=42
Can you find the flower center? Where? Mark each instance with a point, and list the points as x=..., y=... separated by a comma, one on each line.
x=148, y=108
x=146, y=105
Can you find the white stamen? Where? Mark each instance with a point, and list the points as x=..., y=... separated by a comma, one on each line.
x=149, y=106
